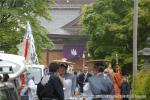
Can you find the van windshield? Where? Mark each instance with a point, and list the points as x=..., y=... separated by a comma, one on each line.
x=36, y=73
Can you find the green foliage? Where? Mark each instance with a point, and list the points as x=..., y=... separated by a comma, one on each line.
x=109, y=23
x=141, y=85
x=14, y=15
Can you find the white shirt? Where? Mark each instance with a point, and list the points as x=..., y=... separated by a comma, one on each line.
x=87, y=91
x=68, y=85
x=32, y=90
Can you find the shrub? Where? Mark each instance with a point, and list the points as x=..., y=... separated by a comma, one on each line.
x=141, y=86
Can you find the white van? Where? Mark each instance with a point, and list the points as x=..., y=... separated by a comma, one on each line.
x=17, y=63
x=37, y=71
x=13, y=66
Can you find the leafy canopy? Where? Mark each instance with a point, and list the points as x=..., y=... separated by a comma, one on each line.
x=14, y=15
x=109, y=23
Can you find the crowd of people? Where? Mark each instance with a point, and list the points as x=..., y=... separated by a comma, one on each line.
x=102, y=83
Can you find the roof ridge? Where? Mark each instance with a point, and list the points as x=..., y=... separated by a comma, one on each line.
x=73, y=22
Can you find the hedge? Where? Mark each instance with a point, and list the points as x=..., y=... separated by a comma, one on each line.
x=141, y=86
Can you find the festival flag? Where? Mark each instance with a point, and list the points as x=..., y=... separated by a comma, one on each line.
x=30, y=45
x=26, y=48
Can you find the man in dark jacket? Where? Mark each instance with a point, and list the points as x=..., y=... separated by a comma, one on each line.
x=83, y=78
x=125, y=88
x=52, y=86
x=101, y=84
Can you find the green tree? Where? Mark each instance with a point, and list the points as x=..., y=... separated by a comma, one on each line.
x=109, y=23
x=14, y=15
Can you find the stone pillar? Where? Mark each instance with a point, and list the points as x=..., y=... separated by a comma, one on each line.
x=147, y=63
x=145, y=53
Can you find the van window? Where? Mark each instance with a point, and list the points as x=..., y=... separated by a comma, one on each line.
x=36, y=73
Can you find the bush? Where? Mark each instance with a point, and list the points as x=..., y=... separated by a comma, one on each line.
x=141, y=86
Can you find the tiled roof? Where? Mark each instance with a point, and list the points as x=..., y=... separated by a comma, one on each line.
x=73, y=1
x=65, y=17
x=73, y=24
x=73, y=4
x=59, y=19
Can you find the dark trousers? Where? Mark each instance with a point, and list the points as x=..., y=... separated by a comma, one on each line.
x=48, y=99
x=125, y=98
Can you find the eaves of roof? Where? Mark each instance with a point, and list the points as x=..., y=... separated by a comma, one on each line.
x=67, y=6
x=62, y=36
x=144, y=52
x=63, y=39
x=73, y=1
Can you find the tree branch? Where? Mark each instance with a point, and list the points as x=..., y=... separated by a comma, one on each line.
x=3, y=2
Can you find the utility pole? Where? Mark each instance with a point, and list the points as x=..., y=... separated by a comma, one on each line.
x=83, y=57
x=135, y=31
x=47, y=57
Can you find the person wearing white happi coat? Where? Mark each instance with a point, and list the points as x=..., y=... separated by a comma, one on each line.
x=32, y=87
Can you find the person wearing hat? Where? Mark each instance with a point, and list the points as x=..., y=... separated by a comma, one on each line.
x=51, y=87
x=69, y=81
x=101, y=84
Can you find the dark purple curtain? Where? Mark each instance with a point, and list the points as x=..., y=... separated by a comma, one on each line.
x=72, y=51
